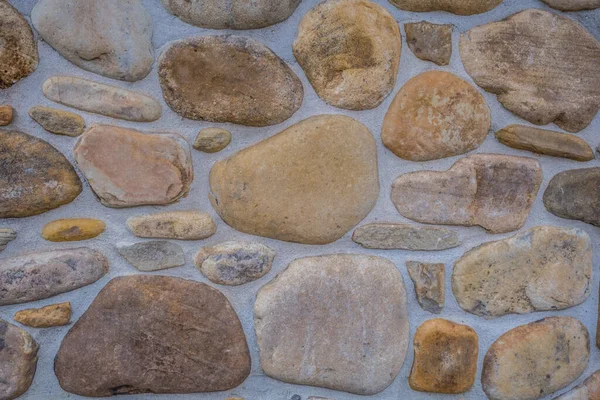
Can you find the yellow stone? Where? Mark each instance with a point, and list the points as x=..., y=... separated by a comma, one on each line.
x=45, y=317
x=69, y=230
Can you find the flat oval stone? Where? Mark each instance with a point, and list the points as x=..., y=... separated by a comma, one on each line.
x=45, y=274
x=430, y=42
x=535, y=360
x=128, y=168
x=57, y=121
x=34, y=176
x=527, y=61
x=212, y=140
x=388, y=236
x=544, y=268
x=73, y=229
x=350, y=52
x=18, y=360
x=6, y=114
x=7, y=235
x=587, y=390
x=19, y=55
x=435, y=115
x=573, y=5
x=337, y=321
x=45, y=317
x=460, y=7
x=153, y=255
x=182, y=225
x=112, y=38
x=173, y=336
x=256, y=89
x=309, y=184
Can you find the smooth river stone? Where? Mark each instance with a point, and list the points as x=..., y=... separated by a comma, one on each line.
x=18, y=360
x=350, y=52
x=430, y=42
x=309, y=184
x=99, y=98
x=57, y=121
x=212, y=140
x=256, y=89
x=72, y=229
x=182, y=225
x=45, y=317
x=45, y=274
x=493, y=191
x=19, y=55
x=337, y=321
x=430, y=285
x=544, y=268
x=7, y=235
x=587, y=390
x=460, y=7
x=153, y=255
x=154, y=334
x=527, y=60
x=6, y=114
x=34, y=176
x=534, y=360
x=575, y=194
x=112, y=38
x=573, y=5
x=128, y=168
x=435, y=115
x=389, y=236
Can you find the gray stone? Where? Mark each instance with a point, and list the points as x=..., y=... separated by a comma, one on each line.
x=19, y=55
x=18, y=360
x=430, y=285
x=57, y=121
x=153, y=256
x=430, y=42
x=6, y=235
x=182, y=225
x=389, y=236
x=573, y=5
x=212, y=140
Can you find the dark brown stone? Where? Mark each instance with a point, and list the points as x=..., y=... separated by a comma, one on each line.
x=18, y=360
x=18, y=55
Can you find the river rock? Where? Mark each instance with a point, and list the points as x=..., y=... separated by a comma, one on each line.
x=337, y=321
x=573, y=5
x=256, y=89
x=389, y=236
x=575, y=194
x=7, y=235
x=460, y=7
x=182, y=225
x=350, y=52
x=527, y=61
x=212, y=140
x=112, y=38
x=127, y=168
x=18, y=360
x=72, y=229
x=235, y=263
x=309, y=184
x=153, y=256
x=435, y=115
x=171, y=335
x=6, y=114
x=45, y=274
x=102, y=99
x=587, y=390
x=56, y=121
x=430, y=285
x=535, y=360
x=34, y=176
x=45, y=317
x=19, y=55
x=430, y=42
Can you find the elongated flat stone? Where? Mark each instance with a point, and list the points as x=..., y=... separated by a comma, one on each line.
x=72, y=229
x=18, y=360
x=45, y=317
x=573, y=5
x=389, y=236
x=430, y=285
x=19, y=55
x=153, y=255
x=587, y=390
x=430, y=42
x=7, y=235
x=57, y=121
x=460, y=7
x=182, y=225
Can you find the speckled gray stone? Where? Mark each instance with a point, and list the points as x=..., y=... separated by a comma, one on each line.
x=389, y=236
x=153, y=255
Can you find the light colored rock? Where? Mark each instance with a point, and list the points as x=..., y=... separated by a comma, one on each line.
x=256, y=89
x=57, y=121
x=389, y=236
x=573, y=5
x=493, y=191
x=527, y=61
x=112, y=38
x=350, y=52
x=99, y=98
x=127, y=168
x=6, y=114
x=45, y=317
x=534, y=360
x=7, y=235
x=435, y=115
x=212, y=140
x=587, y=390
x=460, y=7
x=337, y=321
x=430, y=42
x=182, y=225
x=18, y=360
x=72, y=229
x=309, y=184
x=430, y=285
x=19, y=55
x=153, y=255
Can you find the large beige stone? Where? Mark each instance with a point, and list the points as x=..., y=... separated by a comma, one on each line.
x=19, y=54
x=573, y=5
x=460, y=7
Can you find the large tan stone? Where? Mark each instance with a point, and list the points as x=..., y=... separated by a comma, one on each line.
x=19, y=55
x=460, y=7
x=587, y=390
x=573, y=5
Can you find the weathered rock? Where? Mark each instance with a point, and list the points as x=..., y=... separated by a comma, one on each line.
x=172, y=336
x=127, y=168
x=182, y=225
x=588, y=390
x=430, y=42
x=460, y=7
x=112, y=38
x=99, y=98
x=430, y=284
x=45, y=317
x=7, y=235
x=535, y=360
x=235, y=263
x=435, y=115
x=18, y=360
x=45, y=274
x=544, y=268
x=212, y=140
x=309, y=184
x=350, y=52
x=389, y=236
x=6, y=114
x=19, y=55
x=575, y=194
x=445, y=357
x=527, y=60
x=573, y=5
x=325, y=312
x=154, y=255
x=256, y=89
x=72, y=229
x=34, y=176
x=57, y=121
x=545, y=142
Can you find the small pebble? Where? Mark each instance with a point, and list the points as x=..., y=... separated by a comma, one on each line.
x=6, y=114
x=58, y=121
x=212, y=140
x=45, y=317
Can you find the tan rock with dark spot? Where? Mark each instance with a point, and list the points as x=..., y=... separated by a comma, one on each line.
x=430, y=42
x=587, y=390
x=6, y=114
x=57, y=121
x=182, y=225
x=73, y=229
x=460, y=7
x=573, y=5
x=18, y=360
x=212, y=140
x=45, y=317
x=389, y=236
x=430, y=285
x=19, y=55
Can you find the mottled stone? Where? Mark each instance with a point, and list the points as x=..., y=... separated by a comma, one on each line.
x=18, y=360
x=182, y=225
x=430, y=285
x=235, y=263
x=7, y=235
x=99, y=98
x=527, y=60
x=34, y=176
x=575, y=194
x=587, y=390
x=45, y=317
x=545, y=142
x=435, y=115
x=445, y=357
x=389, y=236
x=127, y=168
x=573, y=5
x=44, y=274
x=309, y=184
x=172, y=336
x=153, y=255
x=57, y=121
x=6, y=114
x=73, y=229
x=430, y=42
x=460, y=7
x=112, y=38
x=535, y=360
x=256, y=89
x=212, y=140
x=19, y=55
x=337, y=321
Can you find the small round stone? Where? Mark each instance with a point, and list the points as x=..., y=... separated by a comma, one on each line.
x=212, y=140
